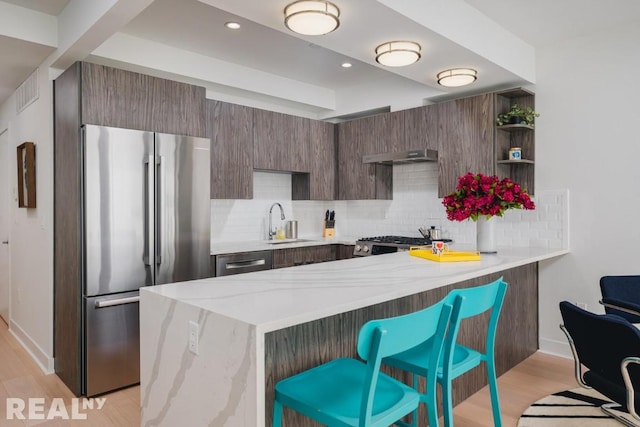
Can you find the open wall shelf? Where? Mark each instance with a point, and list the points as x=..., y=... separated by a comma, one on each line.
x=515, y=135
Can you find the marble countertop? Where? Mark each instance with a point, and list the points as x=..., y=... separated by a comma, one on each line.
x=262, y=245
x=276, y=299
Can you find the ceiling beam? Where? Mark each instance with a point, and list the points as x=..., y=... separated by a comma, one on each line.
x=143, y=53
x=28, y=25
x=466, y=26
x=84, y=25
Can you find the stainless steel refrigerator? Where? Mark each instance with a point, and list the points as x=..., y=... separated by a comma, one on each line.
x=146, y=222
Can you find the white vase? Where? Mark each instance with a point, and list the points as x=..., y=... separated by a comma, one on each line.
x=485, y=235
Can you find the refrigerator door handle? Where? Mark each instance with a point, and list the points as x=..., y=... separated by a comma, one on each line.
x=119, y=301
x=149, y=218
x=160, y=176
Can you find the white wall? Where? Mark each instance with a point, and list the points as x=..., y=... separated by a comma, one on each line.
x=415, y=203
x=31, y=229
x=587, y=141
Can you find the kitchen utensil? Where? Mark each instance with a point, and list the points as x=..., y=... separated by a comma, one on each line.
x=424, y=232
x=291, y=229
x=435, y=233
x=332, y=215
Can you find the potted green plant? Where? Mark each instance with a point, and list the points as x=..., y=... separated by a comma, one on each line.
x=517, y=115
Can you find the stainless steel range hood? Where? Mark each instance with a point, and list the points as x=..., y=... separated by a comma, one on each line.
x=400, y=157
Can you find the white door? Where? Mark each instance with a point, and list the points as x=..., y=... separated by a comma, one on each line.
x=4, y=226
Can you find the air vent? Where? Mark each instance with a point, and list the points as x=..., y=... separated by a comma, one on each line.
x=27, y=92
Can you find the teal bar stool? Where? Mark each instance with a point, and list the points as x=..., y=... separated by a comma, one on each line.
x=349, y=392
x=458, y=359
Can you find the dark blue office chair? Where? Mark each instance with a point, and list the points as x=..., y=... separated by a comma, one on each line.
x=609, y=347
x=621, y=296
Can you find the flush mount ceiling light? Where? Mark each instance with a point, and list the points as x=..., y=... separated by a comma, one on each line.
x=457, y=77
x=311, y=17
x=398, y=53
x=232, y=25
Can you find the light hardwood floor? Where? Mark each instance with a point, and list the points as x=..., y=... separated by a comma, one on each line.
x=536, y=377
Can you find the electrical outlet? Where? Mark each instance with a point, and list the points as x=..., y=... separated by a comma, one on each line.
x=194, y=332
x=582, y=305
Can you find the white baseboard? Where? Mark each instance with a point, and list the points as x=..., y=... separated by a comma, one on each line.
x=556, y=348
x=42, y=359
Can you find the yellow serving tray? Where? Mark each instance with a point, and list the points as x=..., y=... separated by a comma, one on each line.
x=446, y=256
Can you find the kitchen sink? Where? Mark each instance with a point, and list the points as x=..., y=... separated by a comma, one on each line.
x=282, y=241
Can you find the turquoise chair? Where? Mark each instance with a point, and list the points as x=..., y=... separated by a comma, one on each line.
x=349, y=392
x=458, y=359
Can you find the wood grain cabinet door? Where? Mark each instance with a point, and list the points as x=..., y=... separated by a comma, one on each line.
x=377, y=134
x=320, y=182
x=356, y=180
x=280, y=142
x=292, y=257
x=420, y=128
x=230, y=128
x=465, y=139
x=124, y=99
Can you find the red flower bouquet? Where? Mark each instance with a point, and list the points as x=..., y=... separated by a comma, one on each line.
x=486, y=195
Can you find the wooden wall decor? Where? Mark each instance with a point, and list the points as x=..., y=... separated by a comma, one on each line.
x=26, y=175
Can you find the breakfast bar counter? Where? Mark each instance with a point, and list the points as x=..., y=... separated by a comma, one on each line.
x=212, y=349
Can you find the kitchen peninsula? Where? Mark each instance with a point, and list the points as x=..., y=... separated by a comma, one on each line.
x=251, y=330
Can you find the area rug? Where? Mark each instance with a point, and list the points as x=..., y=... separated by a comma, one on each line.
x=578, y=407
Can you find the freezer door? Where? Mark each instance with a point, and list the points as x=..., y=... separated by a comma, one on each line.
x=119, y=169
x=184, y=205
x=112, y=337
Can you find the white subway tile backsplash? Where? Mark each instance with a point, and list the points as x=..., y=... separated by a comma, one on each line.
x=415, y=203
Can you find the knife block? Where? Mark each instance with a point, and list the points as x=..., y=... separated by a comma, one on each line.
x=328, y=228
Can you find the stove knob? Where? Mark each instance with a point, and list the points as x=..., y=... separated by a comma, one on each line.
x=357, y=248
x=365, y=248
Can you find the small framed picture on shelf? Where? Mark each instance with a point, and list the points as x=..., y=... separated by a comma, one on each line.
x=26, y=175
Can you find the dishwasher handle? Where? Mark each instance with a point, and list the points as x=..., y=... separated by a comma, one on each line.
x=119, y=301
x=243, y=264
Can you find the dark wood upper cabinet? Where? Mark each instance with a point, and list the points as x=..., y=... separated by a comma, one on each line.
x=230, y=128
x=119, y=98
x=420, y=128
x=320, y=182
x=356, y=180
x=377, y=134
x=280, y=142
x=465, y=139
x=470, y=141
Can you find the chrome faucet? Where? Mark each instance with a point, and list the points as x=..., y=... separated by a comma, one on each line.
x=273, y=232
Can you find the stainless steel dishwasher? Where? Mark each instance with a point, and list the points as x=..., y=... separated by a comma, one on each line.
x=243, y=262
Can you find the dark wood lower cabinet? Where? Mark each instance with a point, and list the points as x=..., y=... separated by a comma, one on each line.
x=295, y=349
x=344, y=251
x=292, y=257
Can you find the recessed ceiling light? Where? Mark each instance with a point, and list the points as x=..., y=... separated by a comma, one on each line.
x=398, y=53
x=456, y=77
x=346, y=65
x=232, y=25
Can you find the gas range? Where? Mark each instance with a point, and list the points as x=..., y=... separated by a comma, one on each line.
x=388, y=244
